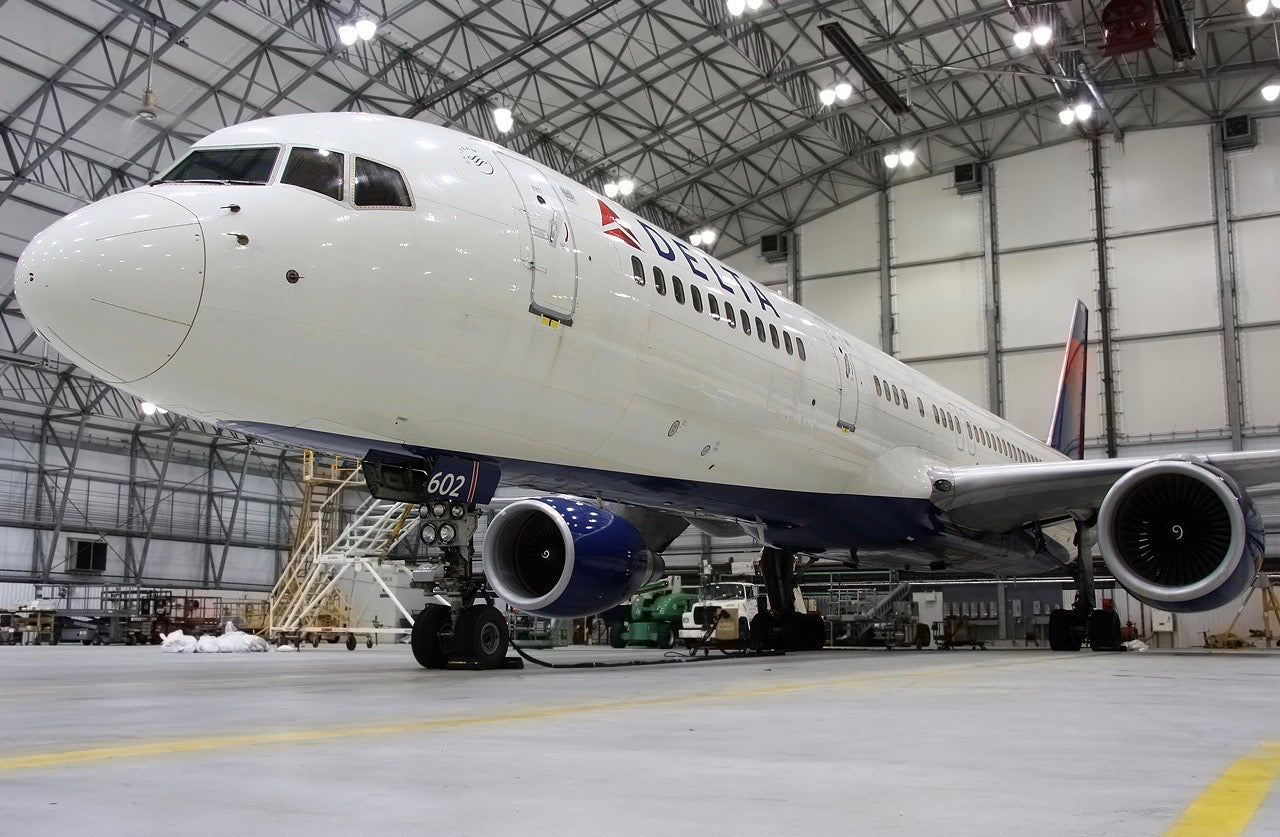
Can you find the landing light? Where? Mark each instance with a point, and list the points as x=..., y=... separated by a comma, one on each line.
x=447, y=533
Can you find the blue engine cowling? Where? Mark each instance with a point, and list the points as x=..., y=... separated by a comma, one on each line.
x=562, y=558
x=1180, y=536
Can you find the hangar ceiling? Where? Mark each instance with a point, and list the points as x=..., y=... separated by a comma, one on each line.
x=716, y=117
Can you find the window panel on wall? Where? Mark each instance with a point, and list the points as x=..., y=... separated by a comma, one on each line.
x=849, y=302
x=964, y=376
x=844, y=241
x=1044, y=196
x=1165, y=282
x=1038, y=293
x=1255, y=174
x=1258, y=350
x=1031, y=386
x=1170, y=384
x=1257, y=252
x=930, y=221
x=1158, y=179
x=939, y=309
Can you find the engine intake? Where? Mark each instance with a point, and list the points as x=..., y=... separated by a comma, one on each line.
x=563, y=558
x=1180, y=535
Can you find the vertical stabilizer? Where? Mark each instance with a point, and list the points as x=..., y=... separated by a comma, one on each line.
x=1066, y=432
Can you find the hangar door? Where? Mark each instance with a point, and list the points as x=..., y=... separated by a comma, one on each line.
x=547, y=245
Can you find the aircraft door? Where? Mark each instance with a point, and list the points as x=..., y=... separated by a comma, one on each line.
x=848, y=415
x=547, y=245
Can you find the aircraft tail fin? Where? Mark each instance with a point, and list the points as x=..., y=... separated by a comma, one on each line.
x=1066, y=432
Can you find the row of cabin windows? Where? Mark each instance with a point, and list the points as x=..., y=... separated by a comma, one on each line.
x=893, y=393
x=792, y=346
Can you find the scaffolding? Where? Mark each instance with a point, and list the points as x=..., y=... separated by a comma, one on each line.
x=307, y=603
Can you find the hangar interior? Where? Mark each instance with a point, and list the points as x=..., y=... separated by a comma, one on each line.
x=1160, y=209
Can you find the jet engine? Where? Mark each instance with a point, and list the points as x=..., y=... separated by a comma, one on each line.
x=1180, y=535
x=562, y=558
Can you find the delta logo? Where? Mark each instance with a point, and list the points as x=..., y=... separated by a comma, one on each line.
x=612, y=225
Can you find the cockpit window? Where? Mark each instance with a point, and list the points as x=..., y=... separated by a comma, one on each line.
x=224, y=165
x=316, y=169
x=379, y=185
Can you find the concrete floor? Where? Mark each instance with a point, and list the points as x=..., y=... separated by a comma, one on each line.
x=120, y=740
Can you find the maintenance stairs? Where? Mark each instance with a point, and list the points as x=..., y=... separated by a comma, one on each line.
x=307, y=601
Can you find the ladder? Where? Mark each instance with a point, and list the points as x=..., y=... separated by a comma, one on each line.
x=306, y=599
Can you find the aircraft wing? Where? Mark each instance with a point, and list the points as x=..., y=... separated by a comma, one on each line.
x=999, y=498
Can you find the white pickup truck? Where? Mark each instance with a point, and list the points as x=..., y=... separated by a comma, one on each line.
x=712, y=598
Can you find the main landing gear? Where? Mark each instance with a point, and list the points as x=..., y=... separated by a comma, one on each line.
x=471, y=637
x=782, y=626
x=1069, y=629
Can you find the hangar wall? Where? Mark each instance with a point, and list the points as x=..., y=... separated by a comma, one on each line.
x=980, y=287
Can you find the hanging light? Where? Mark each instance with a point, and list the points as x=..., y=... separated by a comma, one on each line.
x=844, y=90
x=827, y=96
x=1257, y=8
x=754, y=5
x=696, y=239
x=147, y=408
x=1066, y=116
x=1083, y=110
x=891, y=160
x=1271, y=91
x=736, y=7
x=626, y=186
x=708, y=236
x=611, y=189
x=365, y=28
x=1041, y=34
x=347, y=34
x=906, y=156
x=502, y=118
x=1022, y=39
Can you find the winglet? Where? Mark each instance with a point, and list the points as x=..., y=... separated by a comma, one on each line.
x=1066, y=432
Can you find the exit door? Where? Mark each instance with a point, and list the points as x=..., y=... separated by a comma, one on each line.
x=547, y=245
x=848, y=388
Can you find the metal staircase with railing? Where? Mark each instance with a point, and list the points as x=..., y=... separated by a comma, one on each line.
x=307, y=601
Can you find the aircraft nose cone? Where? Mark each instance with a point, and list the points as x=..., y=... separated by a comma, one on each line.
x=115, y=286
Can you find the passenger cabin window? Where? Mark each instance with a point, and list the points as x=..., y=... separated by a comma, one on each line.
x=773, y=335
x=713, y=305
x=729, y=316
x=760, y=330
x=637, y=270
x=746, y=322
x=936, y=419
x=379, y=185
x=677, y=289
x=696, y=296
x=659, y=282
x=876, y=378
x=800, y=348
x=920, y=404
x=224, y=165
x=786, y=339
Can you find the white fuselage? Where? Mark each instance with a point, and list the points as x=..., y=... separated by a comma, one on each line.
x=500, y=315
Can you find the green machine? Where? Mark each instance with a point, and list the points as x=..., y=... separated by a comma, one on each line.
x=653, y=617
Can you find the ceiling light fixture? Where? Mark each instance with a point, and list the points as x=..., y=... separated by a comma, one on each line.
x=1271, y=91
x=827, y=96
x=736, y=7
x=1022, y=39
x=1041, y=34
x=626, y=186
x=843, y=90
x=366, y=28
x=1257, y=8
x=611, y=189
x=891, y=160
x=347, y=34
x=754, y=5
x=1066, y=116
x=503, y=120
x=150, y=102
x=1083, y=110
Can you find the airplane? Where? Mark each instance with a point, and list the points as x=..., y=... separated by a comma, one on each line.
x=455, y=314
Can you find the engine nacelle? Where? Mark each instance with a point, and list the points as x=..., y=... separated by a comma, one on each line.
x=1180, y=535
x=563, y=558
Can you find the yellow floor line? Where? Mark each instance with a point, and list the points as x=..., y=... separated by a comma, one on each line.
x=173, y=747
x=1226, y=806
